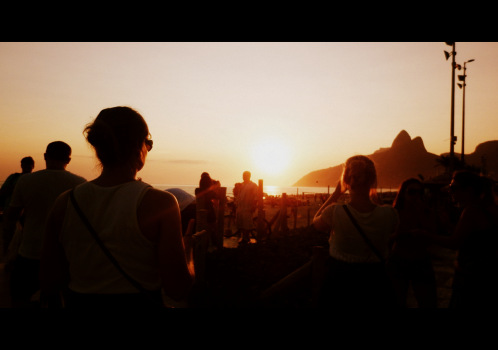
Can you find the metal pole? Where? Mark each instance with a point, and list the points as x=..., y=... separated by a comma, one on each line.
x=463, y=78
x=452, y=129
x=463, y=114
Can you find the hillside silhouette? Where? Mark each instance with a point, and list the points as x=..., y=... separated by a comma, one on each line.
x=407, y=158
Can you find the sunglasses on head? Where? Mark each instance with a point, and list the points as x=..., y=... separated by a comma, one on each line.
x=148, y=144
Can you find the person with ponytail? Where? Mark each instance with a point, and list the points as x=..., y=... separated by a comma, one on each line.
x=138, y=225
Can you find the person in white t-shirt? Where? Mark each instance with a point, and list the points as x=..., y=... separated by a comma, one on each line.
x=357, y=275
x=33, y=197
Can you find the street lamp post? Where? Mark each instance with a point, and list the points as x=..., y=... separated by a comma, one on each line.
x=462, y=78
x=452, y=128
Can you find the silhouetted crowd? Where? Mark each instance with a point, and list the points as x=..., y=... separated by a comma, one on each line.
x=115, y=241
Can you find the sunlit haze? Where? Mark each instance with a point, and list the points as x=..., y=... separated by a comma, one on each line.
x=279, y=110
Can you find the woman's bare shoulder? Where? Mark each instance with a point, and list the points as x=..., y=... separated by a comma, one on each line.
x=158, y=198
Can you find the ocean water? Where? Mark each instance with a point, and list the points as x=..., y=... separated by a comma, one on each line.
x=269, y=190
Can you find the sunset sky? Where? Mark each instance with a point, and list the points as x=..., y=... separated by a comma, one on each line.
x=277, y=109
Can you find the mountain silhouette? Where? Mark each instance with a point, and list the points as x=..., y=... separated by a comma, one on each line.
x=485, y=157
x=406, y=158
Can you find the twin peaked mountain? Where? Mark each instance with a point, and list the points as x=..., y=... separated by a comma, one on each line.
x=406, y=158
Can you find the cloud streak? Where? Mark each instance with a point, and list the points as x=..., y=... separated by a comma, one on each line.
x=181, y=161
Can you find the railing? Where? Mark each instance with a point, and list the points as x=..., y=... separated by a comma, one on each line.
x=207, y=237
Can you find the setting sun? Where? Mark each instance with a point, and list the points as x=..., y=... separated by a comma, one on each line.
x=271, y=156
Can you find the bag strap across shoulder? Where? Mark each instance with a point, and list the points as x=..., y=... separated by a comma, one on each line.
x=358, y=227
x=103, y=247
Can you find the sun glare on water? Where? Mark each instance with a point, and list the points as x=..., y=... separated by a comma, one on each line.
x=271, y=156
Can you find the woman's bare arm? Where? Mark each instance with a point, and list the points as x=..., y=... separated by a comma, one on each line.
x=160, y=221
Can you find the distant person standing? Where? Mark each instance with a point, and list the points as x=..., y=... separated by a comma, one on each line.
x=246, y=203
x=33, y=197
x=207, y=198
x=27, y=166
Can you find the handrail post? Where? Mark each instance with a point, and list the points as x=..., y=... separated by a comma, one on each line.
x=222, y=195
x=284, y=228
x=261, y=212
x=200, y=214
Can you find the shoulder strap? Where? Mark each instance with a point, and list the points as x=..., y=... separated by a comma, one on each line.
x=358, y=227
x=102, y=246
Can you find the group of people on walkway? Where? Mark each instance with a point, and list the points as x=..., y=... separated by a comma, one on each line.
x=115, y=241
x=112, y=241
x=378, y=251
x=207, y=198
x=25, y=217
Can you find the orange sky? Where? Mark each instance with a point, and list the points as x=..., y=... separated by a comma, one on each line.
x=208, y=105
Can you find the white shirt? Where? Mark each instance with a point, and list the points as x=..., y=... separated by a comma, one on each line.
x=347, y=244
x=36, y=193
x=112, y=212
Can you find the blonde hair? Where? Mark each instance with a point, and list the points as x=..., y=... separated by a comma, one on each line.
x=359, y=172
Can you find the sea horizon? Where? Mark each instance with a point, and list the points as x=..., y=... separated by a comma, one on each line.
x=268, y=189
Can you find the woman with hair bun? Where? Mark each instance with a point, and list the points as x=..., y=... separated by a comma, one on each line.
x=139, y=225
x=356, y=267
